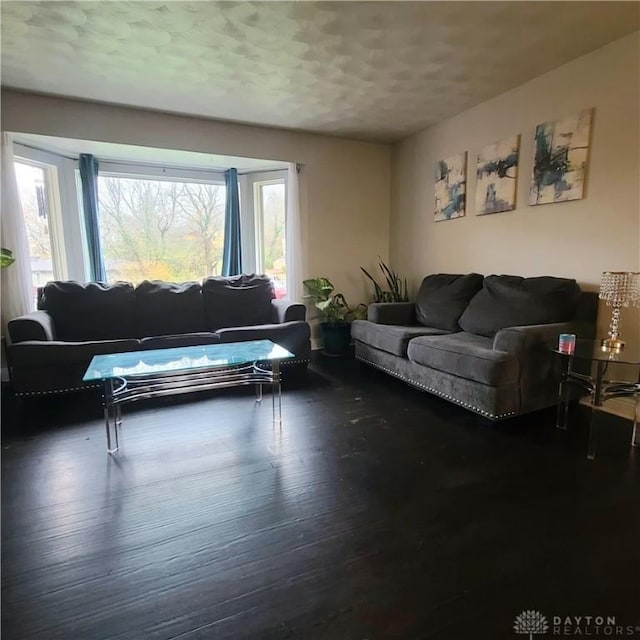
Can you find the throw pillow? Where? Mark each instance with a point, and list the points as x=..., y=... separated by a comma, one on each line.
x=443, y=297
x=237, y=301
x=168, y=308
x=90, y=310
x=511, y=301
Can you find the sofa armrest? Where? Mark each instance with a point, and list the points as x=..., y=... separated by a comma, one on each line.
x=539, y=372
x=37, y=325
x=519, y=339
x=286, y=311
x=399, y=313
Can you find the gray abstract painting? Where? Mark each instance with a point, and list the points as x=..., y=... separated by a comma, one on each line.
x=560, y=162
x=450, y=187
x=497, y=173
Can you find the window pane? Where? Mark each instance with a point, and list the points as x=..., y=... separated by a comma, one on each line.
x=160, y=230
x=273, y=235
x=31, y=187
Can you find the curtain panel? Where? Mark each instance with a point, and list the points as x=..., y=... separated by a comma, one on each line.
x=17, y=291
x=293, y=240
x=89, y=178
x=232, y=251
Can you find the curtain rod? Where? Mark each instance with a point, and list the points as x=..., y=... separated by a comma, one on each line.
x=157, y=166
x=54, y=153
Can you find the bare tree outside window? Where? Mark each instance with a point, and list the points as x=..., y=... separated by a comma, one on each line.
x=160, y=230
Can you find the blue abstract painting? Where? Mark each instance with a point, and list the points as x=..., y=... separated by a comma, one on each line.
x=450, y=187
x=497, y=173
x=560, y=162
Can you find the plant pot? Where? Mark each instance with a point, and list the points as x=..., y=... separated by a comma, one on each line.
x=337, y=337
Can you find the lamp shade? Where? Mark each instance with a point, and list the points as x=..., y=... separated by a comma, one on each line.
x=620, y=288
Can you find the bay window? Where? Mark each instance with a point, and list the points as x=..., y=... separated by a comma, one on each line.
x=155, y=223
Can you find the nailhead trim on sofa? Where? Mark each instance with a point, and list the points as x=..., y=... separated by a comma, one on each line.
x=25, y=394
x=419, y=385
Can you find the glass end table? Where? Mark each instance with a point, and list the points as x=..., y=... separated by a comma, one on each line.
x=598, y=384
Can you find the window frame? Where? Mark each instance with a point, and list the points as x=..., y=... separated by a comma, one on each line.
x=136, y=171
x=152, y=172
x=54, y=221
x=65, y=222
x=252, y=220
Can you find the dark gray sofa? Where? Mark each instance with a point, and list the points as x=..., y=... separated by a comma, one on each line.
x=479, y=342
x=50, y=349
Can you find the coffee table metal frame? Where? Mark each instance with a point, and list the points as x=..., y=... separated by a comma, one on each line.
x=122, y=389
x=599, y=388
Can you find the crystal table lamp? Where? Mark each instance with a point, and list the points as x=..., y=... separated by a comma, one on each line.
x=618, y=289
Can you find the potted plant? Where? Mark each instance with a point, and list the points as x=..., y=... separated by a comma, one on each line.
x=397, y=289
x=336, y=314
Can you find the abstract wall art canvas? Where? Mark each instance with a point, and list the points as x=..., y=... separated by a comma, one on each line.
x=497, y=173
x=450, y=187
x=560, y=162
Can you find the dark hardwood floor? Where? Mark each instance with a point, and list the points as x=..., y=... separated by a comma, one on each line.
x=376, y=511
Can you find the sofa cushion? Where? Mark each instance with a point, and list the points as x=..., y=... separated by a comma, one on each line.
x=465, y=355
x=46, y=367
x=443, y=297
x=237, y=301
x=510, y=301
x=180, y=340
x=168, y=308
x=63, y=354
x=91, y=310
x=293, y=336
x=388, y=337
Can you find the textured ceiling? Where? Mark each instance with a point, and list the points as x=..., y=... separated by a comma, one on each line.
x=369, y=70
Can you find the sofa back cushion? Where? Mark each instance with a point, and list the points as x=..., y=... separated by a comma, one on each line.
x=168, y=308
x=510, y=301
x=443, y=297
x=90, y=310
x=237, y=301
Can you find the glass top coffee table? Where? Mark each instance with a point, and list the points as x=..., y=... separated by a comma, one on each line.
x=135, y=375
x=599, y=384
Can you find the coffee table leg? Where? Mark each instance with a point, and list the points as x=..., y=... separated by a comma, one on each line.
x=258, y=392
x=111, y=414
x=276, y=393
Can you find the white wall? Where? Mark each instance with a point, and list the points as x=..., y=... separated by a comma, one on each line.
x=344, y=184
x=577, y=239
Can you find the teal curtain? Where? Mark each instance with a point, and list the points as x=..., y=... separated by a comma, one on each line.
x=232, y=252
x=89, y=178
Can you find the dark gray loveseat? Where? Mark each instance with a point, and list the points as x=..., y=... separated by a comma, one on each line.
x=50, y=348
x=478, y=342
